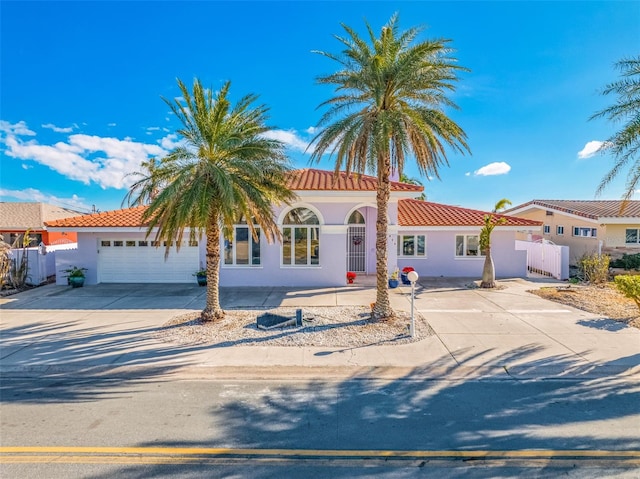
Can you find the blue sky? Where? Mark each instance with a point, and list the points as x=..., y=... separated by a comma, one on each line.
x=81, y=87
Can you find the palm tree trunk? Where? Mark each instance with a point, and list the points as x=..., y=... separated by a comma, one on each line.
x=382, y=308
x=212, y=310
x=488, y=271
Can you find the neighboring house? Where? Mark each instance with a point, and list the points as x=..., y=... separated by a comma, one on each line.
x=16, y=218
x=586, y=226
x=330, y=229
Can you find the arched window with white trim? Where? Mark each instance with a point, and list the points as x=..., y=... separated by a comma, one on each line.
x=300, y=238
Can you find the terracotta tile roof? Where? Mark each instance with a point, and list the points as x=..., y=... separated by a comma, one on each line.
x=410, y=213
x=425, y=213
x=129, y=217
x=23, y=216
x=592, y=209
x=309, y=179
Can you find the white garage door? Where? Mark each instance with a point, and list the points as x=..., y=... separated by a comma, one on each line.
x=139, y=261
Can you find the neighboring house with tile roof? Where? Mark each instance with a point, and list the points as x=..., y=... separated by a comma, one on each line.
x=18, y=217
x=328, y=230
x=586, y=226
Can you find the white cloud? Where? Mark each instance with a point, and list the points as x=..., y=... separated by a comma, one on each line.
x=31, y=194
x=86, y=158
x=19, y=128
x=496, y=168
x=58, y=129
x=112, y=124
x=312, y=130
x=590, y=149
x=468, y=173
x=288, y=137
x=169, y=142
x=153, y=128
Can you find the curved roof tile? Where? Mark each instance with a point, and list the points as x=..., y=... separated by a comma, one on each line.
x=309, y=179
x=128, y=217
x=592, y=209
x=425, y=213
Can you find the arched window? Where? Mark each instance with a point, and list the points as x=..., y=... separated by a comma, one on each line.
x=300, y=238
x=356, y=218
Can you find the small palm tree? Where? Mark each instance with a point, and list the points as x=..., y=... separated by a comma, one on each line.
x=414, y=181
x=390, y=95
x=223, y=168
x=490, y=222
x=625, y=143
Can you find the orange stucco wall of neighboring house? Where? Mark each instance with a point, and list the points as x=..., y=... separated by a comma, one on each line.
x=560, y=230
x=50, y=237
x=47, y=237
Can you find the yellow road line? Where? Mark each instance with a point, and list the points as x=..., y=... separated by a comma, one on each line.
x=325, y=453
x=100, y=459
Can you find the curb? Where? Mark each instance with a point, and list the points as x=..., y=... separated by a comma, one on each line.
x=320, y=373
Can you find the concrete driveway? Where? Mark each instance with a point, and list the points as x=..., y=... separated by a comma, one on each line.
x=504, y=333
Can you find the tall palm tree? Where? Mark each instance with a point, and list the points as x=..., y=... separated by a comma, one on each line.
x=625, y=143
x=223, y=168
x=388, y=103
x=490, y=222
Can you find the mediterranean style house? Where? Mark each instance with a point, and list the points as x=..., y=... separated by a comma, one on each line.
x=585, y=226
x=328, y=231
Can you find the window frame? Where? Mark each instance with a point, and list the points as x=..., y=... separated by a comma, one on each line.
x=400, y=245
x=252, y=246
x=466, y=247
x=593, y=232
x=559, y=230
x=309, y=247
x=311, y=228
x=637, y=241
x=546, y=229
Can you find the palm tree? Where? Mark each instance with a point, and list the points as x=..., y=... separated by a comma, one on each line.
x=388, y=103
x=490, y=222
x=414, y=181
x=625, y=143
x=223, y=168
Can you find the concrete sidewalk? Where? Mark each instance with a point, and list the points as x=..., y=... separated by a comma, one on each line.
x=504, y=333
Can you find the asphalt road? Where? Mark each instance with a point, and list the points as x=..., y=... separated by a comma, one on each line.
x=126, y=427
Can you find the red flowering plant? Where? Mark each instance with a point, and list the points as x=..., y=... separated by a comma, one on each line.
x=351, y=276
x=405, y=271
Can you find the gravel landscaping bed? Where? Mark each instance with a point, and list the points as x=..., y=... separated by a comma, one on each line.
x=347, y=326
x=604, y=300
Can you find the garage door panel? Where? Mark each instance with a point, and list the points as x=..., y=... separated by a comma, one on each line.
x=145, y=264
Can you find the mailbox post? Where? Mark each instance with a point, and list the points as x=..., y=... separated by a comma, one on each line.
x=412, y=276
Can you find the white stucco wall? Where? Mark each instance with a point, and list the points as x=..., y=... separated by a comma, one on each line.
x=85, y=256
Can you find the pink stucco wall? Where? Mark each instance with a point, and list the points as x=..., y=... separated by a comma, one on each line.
x=441, y=259
x=333, y=216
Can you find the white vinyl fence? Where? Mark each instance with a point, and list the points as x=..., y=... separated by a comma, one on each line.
x=546, y=258
x=41, y=260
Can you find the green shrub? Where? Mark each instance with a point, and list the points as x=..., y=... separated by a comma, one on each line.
x=629, y=286
x=594, y=268
x=627, y=262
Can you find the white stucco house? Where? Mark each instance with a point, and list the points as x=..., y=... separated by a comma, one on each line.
x=328, y=231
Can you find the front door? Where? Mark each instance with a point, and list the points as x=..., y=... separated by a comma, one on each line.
x=356, y=249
